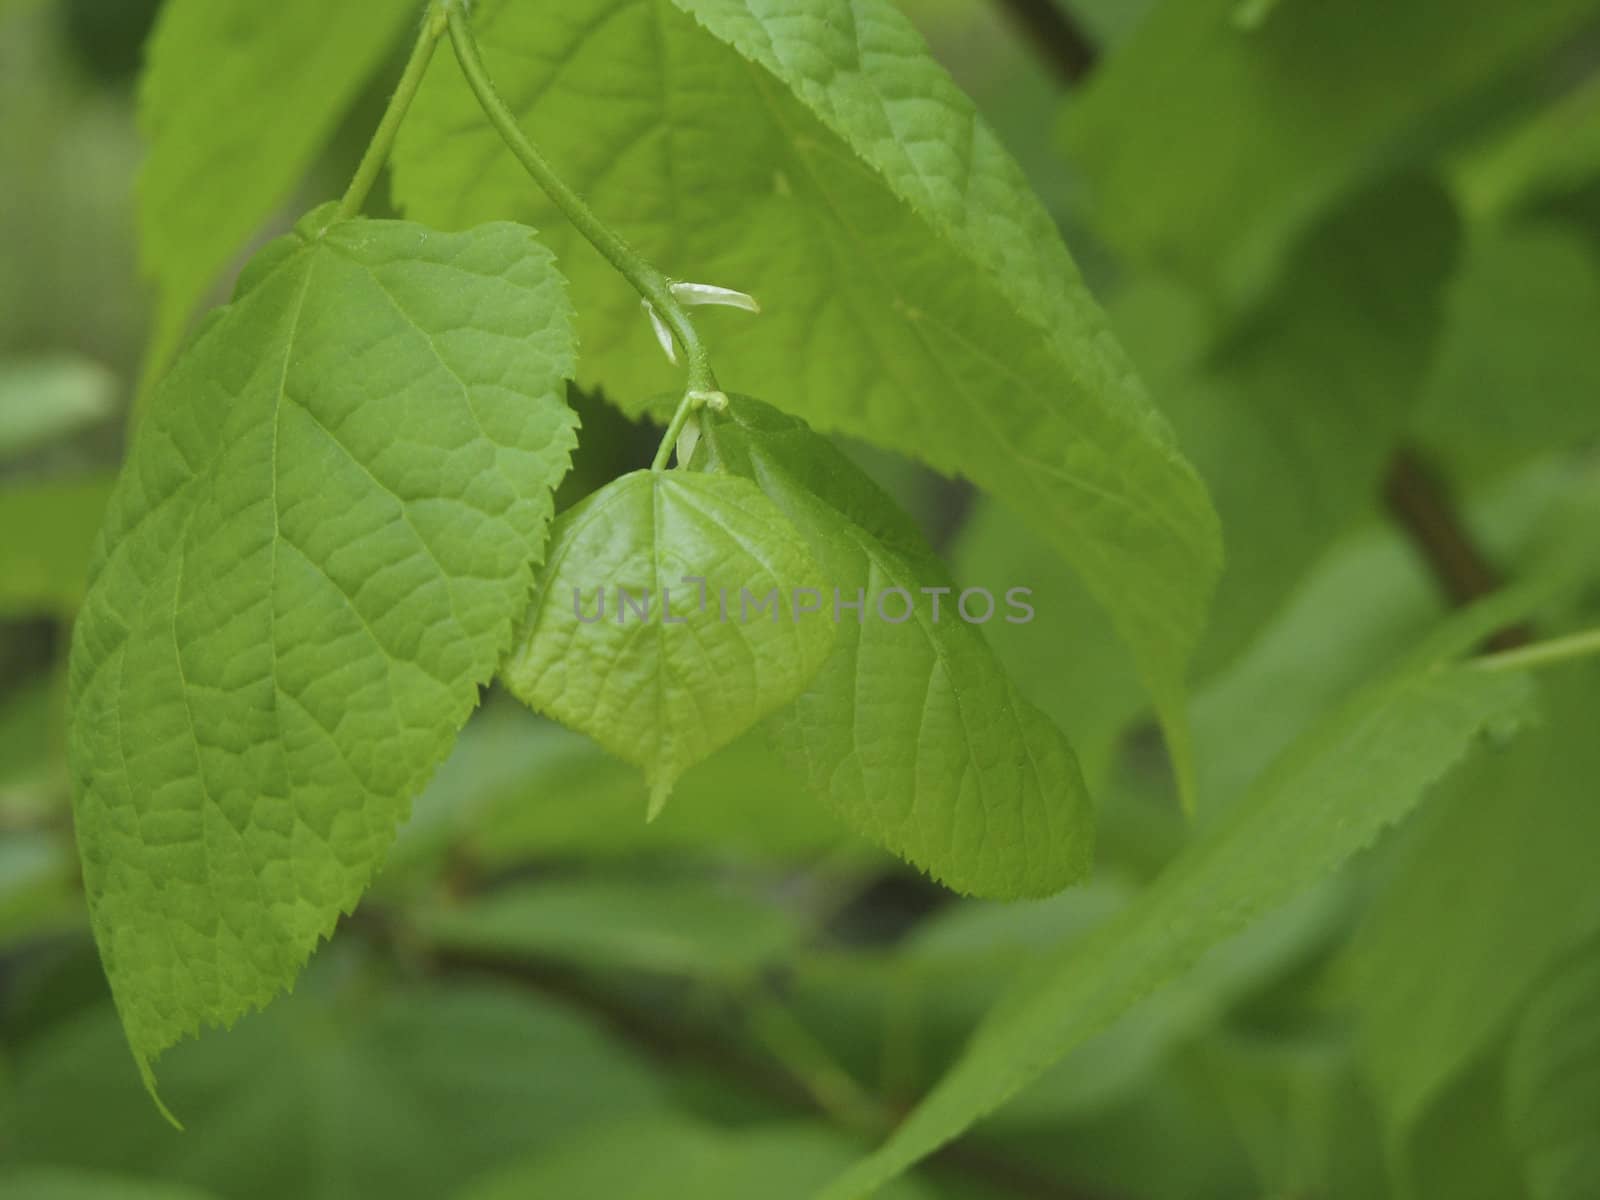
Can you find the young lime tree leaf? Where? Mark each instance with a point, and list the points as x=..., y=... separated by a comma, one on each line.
x=913, y=291
x=1470, y=920
x=1328, y=796
x=1262, y=126
x=912, y=729
x=314, y=557
x=1553, y=1081
x=236, y=99
x=668, y=620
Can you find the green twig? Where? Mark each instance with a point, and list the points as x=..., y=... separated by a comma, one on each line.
x=377, y=153
x=651, y=283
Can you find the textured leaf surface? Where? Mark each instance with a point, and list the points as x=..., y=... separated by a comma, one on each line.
x=911, y=730
x=236, y=99
x=913, y=292
x=1263, y=128
x=664, y=686
x=1553, y=1082
x=1325, y=799
x=312, y=560
x=1472, y=918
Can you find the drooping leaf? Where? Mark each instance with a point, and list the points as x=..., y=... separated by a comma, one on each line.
x=1553, y=1081
x=913, y=292
x=49, y=398
x=1327, y=797
x=1207, y=148
x=1472, y=918
x=311, y=562
x=345, y=1089
x=49, y=532
x=911, y=730
x=665, y=624
x=236, y=99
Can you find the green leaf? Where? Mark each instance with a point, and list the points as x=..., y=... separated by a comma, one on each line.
x=45, y=399
x=665, y=624
x=50, y=531
x=1327, y=797
x=1553, y=1082
x=312, y=561
x=355, y=1086
x=675, y=1158
x=1067, y=660
x=503, y=797
x=912, y=731
x=1207, y=149
x=697, y=929
x=914, y=293
x=69, y=1183
x=236, y=100
x=1516, y=374
x=1471, y=918
x=1307, y=398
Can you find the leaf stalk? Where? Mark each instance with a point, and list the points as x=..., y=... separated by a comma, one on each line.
x=650, y=282
x=377, y=152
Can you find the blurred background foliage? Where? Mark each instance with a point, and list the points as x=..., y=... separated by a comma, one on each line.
x=1355, y=249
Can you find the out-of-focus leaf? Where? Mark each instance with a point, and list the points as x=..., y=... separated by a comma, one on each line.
x=1517, y=371
x=49, y=531
x=352, y=1088
x=518, y=787
x=1555, y=150
x=38, y=887
x=1297, y=1102
x=1306, y=400
x=236, y=99
x=69, y=1183
x=676, y=1159
x=1495, y=882
x=42, y=400
x=675, y=926
x=1208, y=148
x=1326, y=798
x=1553, y=1081
x=1067, y=659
